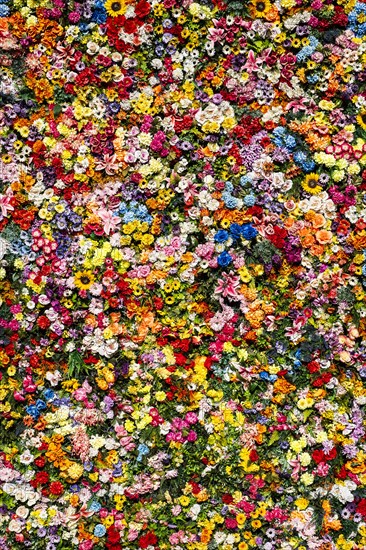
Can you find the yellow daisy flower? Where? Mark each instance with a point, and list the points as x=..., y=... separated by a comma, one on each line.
x=116, y=7
x=361, y=119
x=311, y=185
x=259, y=8
x=84, y=280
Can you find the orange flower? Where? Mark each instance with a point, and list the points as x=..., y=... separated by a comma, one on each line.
x=318, y=221
x=317, y=250
x=323, y=236
x=308, y=241
x=283, y=386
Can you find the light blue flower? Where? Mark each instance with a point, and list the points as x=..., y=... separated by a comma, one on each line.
x=99, y=530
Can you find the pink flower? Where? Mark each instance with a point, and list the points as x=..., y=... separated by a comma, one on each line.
x=109, y=220
x=86, y=545
x=228, y=285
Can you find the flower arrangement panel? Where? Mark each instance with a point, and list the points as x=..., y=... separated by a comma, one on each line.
x=182, y=274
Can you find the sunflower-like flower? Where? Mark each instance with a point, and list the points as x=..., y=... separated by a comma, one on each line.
x=361, y=119
x=116, y=7
x=259, y=8
x=311, y=185
x=84, y=280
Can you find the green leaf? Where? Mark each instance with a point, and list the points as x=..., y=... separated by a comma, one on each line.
x=274, y=437
x=57, y=109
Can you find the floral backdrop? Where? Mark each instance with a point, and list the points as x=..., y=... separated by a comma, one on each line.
x=182, y=274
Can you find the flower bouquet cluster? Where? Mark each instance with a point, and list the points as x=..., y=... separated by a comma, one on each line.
x=182, y=274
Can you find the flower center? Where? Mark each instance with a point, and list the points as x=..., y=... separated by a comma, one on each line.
x=312, y=183
x=260, y=6
x=116, y=6
x=85, y=280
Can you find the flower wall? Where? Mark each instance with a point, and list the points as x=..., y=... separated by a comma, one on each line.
x=182, y=274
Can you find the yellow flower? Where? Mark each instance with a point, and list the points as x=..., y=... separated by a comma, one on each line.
x=310, y=184
x=84, y=280
x=241, y=518
x=259, y=8
x=305, y=403
x=184, y=501
x=302, y=503
x=116, y=7
x=11, y=371
x=75, y=470
x=361, y=119
x=160, y=396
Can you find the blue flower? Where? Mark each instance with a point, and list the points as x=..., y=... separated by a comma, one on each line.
x=224, y=259
x=32, y=411
x=99, y=16
x=231, y=202
x=244, y=180
x=229, y=187
x=143, y=450
x=49, y=394
x=221, y=236
x=290, y=142
x=4, y=10
x=99, y=530
x=248, y=231
x=250, y=200
x=364, y=270
x=94, y=506
x=235, y=230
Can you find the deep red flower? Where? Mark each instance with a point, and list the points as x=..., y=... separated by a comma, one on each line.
x=253, y=455
x=41, y=478
x=318, y=456
x=231, y=523
x=40, y=462
x=313, y=366
x=361, y=507
x=43, y=322
x=331, y=455
x=142, y=9
x=227, y=498
x=56, y=488
x=149, y=539
x=113, y=535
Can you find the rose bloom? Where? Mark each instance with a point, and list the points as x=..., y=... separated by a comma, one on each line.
x=323, y=236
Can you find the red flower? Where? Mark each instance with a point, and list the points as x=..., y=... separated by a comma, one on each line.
x=253, y=455
x=227, y=499
x=56, y=488
x=361, y=507
x=113, y=535
x=331, y=455
x=318, y=456
x=40, y=462
x=142, y=9
x=231, y=523
x=41, y=478
x=149, y=539
x=43, y=322
x=130, y=26
x=342, y=474
x=313, y=366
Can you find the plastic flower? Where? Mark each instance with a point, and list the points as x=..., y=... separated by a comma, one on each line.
x=84, y=280
x=310, y=184
x=259, y=8
x=117, y=7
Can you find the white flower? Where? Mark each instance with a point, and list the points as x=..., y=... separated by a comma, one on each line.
x=26, y=457
x=22, y=512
